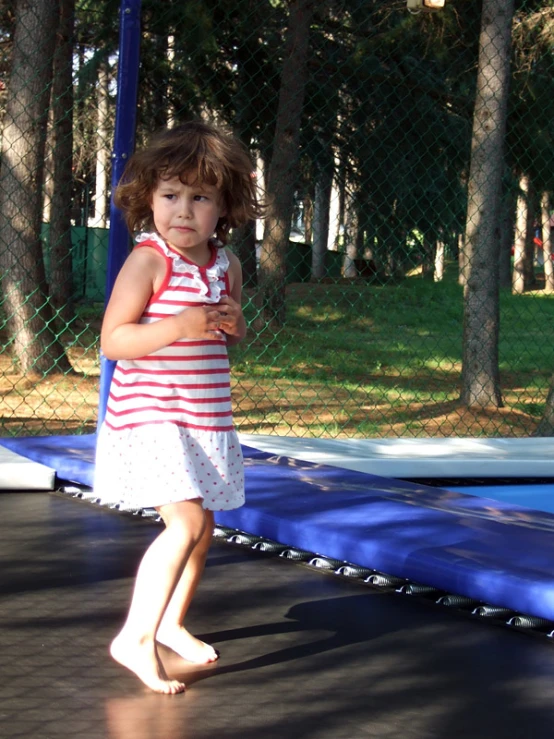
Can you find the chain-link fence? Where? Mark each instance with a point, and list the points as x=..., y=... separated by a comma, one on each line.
x=402, y=283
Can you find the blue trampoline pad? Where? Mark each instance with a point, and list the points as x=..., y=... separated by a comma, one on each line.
x=490, y=550
x=539, y=497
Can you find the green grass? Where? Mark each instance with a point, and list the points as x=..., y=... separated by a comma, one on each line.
x=393, y=354
x=352, y=360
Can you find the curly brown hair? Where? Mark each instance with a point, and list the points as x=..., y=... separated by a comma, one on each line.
x=194, y=150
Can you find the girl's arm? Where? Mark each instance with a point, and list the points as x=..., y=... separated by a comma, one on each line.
x=123, y=337
x=230, y=308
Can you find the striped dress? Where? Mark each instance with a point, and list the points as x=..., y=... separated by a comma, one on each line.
x=168, y=433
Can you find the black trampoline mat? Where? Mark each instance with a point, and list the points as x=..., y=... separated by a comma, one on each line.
x=303, y=654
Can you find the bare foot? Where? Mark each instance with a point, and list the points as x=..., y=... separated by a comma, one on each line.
x=186, y=645
x=142, y=659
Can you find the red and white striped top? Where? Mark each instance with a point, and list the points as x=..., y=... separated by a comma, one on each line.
x=186, y=383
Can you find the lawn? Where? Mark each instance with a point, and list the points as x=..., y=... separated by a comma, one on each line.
x=353, y=360
x=363, y=360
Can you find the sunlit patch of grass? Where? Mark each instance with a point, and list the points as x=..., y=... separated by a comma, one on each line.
x=391, y=357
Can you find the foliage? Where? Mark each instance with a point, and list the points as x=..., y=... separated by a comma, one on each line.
x=388, y=114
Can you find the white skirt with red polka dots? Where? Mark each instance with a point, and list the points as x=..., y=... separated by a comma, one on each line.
x=153, y=465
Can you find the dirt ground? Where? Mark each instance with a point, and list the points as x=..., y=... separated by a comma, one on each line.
x=56, y=404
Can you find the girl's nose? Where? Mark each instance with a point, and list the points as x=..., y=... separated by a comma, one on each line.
x=186, y=207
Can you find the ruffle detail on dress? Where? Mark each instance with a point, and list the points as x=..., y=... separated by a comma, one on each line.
x=205, y=279
x=145, y=236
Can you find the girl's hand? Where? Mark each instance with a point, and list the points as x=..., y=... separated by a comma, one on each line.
x=231, y=319
x=202, y=322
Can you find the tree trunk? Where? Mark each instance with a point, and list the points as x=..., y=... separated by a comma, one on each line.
x=21, y=263
x=322, y=209
x=170, y=54
x=244, y=239
x=243, y=242
x=438, y=274
x=428, y=257
x=547, y=244
x=103, y=147
x=530, y=247
x=334, y=216
x=282, y=171
x=507, y=229
x=546, y=425
x=480, y=373
x=48, y=176
x=351, y=227
x=462, y=261
x=522, y=211
x=307, y=219
x=61, y=271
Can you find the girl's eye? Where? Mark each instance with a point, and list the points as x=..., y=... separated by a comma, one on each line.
x=199, y=198
x=169, y=196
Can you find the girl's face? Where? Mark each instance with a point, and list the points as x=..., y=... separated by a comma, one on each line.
x=186, y=216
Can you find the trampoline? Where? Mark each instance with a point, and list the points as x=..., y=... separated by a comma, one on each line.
x=533, y=493
x=303, y=655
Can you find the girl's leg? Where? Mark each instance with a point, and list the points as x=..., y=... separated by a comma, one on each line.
x=157, y=577
x=172, y=632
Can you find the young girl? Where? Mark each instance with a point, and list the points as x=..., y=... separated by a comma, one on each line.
x=168, y=440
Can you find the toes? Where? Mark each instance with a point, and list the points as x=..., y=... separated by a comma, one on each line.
x=169, y=687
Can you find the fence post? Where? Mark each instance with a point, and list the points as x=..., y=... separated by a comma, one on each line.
x=124, y=139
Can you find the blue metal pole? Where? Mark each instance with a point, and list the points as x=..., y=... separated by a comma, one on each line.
x=124, y=140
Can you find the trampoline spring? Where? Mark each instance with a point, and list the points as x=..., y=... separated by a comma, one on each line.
x=109, y=503
x=70, y=489
x=384, y=581
x=413, y=588
x=297, y=554
x=91, y=497
x=245, y=539
x=323, y=563
x=456, y=601
x=272, y=547
x=126, y=509
x=492, y=612
x=354, y=571
x=220, y=532
x=150, y=513
x=529, y=622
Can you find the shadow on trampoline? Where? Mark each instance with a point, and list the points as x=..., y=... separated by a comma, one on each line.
x=307, y=617
x=370, y=676
x=329, y=615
